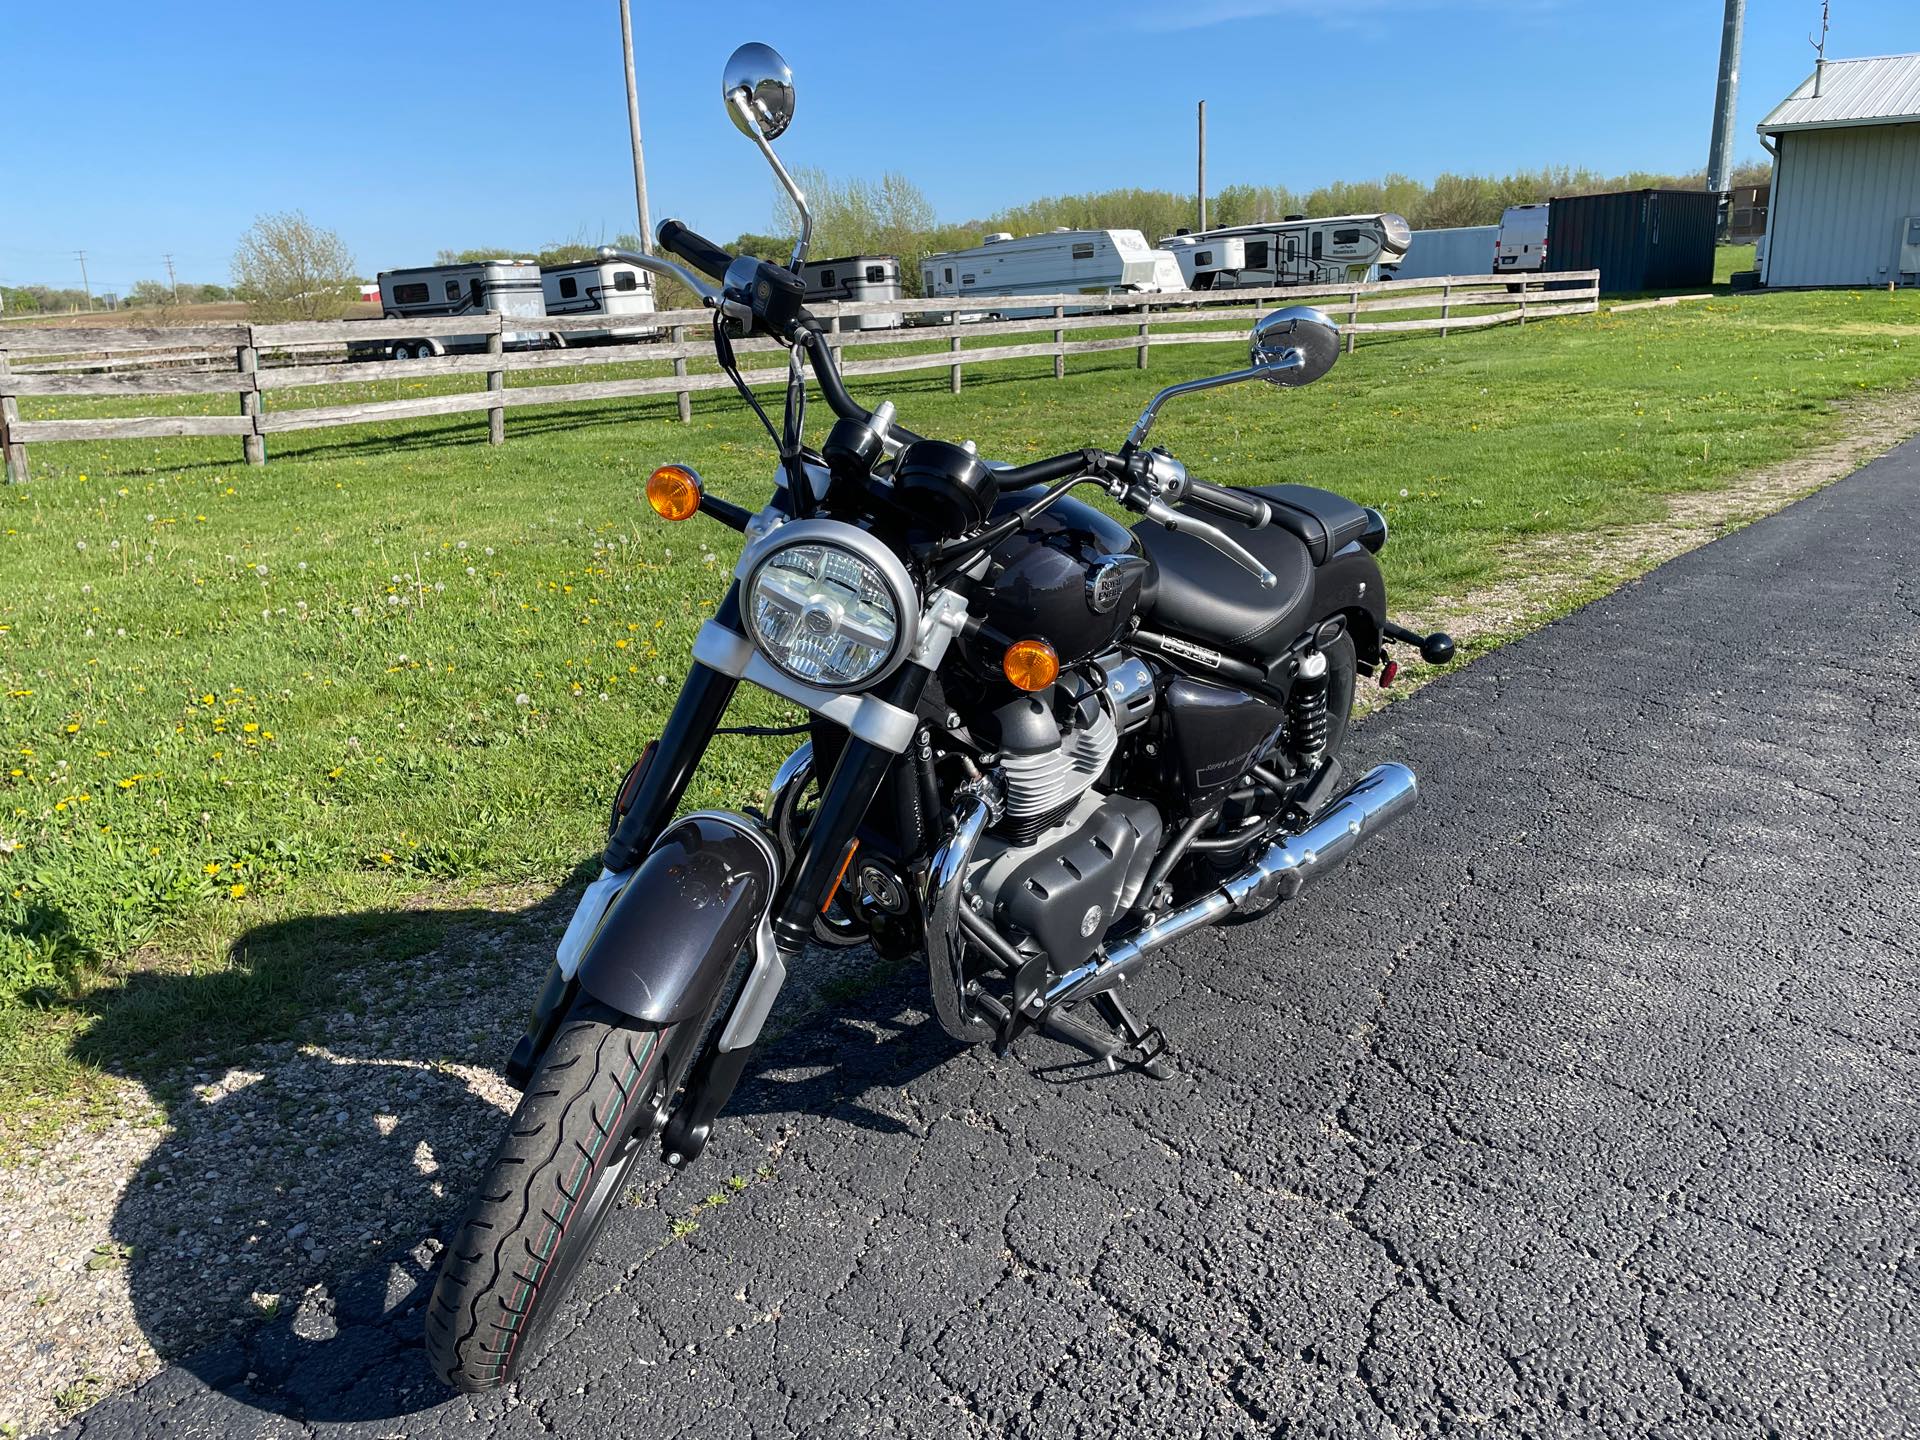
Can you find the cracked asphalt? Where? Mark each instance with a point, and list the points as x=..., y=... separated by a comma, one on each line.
x=1584, y=1103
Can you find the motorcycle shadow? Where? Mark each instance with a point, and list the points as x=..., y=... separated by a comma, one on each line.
x=272, y=1238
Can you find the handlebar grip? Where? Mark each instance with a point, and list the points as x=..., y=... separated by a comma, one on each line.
x=694, y=248
x=1224, y=500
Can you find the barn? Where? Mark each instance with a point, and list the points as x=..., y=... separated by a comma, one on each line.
x=1846, y=176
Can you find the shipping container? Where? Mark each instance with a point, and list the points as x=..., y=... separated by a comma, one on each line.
x=1636, y=239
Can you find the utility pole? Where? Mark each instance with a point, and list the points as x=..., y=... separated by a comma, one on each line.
x=1725, y=97
x=633, y=126
x=172, y=284
x=1202, y=187
x=85, y=284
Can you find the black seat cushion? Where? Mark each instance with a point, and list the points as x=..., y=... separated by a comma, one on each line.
x=1199, y=593
x=1326, y=522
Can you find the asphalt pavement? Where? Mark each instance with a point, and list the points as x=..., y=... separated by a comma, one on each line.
x=1583, y=1103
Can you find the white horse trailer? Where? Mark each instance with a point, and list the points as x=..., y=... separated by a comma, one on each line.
x=1457, y=250
x=598, y=287
x=856, y=277
x=491, y=287
x=1299, y=251
x=1114, y=263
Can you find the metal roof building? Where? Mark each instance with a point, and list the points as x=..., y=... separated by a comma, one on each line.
x=1846, y=176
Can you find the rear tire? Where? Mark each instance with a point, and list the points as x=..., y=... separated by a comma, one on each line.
x=547, y=1192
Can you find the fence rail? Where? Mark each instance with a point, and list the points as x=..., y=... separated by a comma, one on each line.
x=270, y=359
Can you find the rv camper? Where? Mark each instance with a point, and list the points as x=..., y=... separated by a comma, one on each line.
x=1456, y=250
x=598, y=287
x=504, y=287
x=856, y=277
x=1295, y=251
x=1114, y=263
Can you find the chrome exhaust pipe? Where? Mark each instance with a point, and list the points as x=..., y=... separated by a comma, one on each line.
x=1280, y=872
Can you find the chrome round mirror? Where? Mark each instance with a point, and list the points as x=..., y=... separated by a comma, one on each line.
x=758, y=90
x=1294, y=346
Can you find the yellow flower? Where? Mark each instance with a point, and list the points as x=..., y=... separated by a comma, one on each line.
x=212, y=867
x=73, y=729
x=236, y=891
x=250, y=727
x=386, y=857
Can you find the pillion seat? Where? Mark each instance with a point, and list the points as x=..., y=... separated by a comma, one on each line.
x=1199, y=593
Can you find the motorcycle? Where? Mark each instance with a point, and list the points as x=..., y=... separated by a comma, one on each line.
x=1043, y=746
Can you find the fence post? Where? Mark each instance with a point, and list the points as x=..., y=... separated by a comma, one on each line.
x=1446, y=307
x=685, y=397
x=953, y=344
x=253, y=446
x=1353, y=316
x=1146, y=313
x=1059, y=345
x=16, y=451
x=1523, y=300
x=497, y=387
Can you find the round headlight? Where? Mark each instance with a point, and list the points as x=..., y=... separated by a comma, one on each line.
x=827, y=614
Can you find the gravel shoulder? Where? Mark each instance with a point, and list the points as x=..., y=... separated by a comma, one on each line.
x=219, y=1201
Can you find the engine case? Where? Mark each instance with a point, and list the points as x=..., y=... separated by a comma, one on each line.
x=1068, y=886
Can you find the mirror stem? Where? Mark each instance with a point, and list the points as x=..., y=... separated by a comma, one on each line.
x=738, y=99
x=1137, y=436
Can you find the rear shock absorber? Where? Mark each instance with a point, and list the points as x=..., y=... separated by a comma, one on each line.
x=1307, y=722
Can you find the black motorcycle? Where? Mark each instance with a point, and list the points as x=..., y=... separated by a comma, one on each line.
x=1043, y=746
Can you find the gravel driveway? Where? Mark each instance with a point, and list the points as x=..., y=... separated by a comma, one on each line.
x=1584, y=1103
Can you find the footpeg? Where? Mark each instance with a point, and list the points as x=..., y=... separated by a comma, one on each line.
x=1435, y=649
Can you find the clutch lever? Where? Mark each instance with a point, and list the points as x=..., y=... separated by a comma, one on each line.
x=1164, y=514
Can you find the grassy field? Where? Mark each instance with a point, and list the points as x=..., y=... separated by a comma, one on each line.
x=397, y=662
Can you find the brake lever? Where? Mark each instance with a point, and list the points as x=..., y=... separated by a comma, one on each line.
x=1164, y=514
x=654, y=263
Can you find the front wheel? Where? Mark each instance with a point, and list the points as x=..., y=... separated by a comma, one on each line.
x=547, y=1192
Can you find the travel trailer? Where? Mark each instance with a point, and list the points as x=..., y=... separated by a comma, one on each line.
x=1114, y=263
x=1456, y=250
x=1294, y=251
x=856, y=277
x=1523, y=239
x=598, y=287
x=504, y=287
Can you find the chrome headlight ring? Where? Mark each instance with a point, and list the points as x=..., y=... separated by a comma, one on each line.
x=828, y=604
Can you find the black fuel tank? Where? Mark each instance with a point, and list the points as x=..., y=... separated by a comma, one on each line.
x=1073, y=578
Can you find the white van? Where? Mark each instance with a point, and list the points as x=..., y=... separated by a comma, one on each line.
x=1523, y=239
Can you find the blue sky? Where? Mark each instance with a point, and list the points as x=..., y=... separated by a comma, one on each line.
x=138, y=129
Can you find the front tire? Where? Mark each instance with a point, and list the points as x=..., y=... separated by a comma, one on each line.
x=547, y=1192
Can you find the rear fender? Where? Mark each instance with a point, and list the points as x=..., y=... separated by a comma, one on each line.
x=1349, y=584
x=667, y=944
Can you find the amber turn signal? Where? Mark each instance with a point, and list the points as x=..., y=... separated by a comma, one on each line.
x=674, y=492
x=1030, y=664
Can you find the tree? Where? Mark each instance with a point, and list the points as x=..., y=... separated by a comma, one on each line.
x=288, y=268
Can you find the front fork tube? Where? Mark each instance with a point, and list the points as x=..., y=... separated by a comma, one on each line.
x=803, y=893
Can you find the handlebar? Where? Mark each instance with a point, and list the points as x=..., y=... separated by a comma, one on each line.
x=1225, y=501
x=694, y=248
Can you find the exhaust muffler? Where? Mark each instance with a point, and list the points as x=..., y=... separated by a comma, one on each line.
x=1280, y=872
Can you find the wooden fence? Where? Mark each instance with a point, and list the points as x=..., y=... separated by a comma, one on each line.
x=42, y=362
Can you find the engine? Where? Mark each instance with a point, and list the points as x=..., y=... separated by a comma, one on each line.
x=1065, y=859
x=1049, y=761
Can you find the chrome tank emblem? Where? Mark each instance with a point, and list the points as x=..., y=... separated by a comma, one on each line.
x=1107, y=584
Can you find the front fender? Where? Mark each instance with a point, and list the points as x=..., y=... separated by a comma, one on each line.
x=667, y=943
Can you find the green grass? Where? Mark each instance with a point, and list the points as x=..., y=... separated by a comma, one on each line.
x=398, y=663
x=1729, y=258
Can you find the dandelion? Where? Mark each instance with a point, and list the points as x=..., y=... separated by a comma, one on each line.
x=236, y=890
x=260, y=569
x=521, y=699
x=79, y=544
